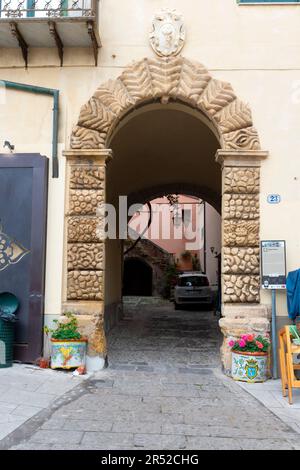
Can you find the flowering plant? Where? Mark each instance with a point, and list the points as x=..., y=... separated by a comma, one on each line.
x=250, y=343
x=66, y=328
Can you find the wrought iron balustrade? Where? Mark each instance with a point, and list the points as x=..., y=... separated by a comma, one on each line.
x=49, y=23
x=14, y=9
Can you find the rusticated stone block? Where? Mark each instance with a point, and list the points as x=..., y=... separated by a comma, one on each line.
x=97, y=340
x=246, y=138
x=85, y=256
x=87, y=178
x=85, y=285
x=241, y=206
x=239, y=288
x=241, y=180
x=241, y=260
x=241, y=233
x=83, y=229
x=85, y=201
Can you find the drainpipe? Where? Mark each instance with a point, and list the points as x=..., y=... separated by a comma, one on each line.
x=43, y=91
x=205, y=238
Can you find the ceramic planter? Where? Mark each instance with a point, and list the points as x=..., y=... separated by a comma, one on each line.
x=68, y=354
x=249, y=367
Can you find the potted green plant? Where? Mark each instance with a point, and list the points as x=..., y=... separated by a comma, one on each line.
x=196, y=263
x=250, y=358
x=186, y=255
x=170, y=280
x=68, y=347
x=185, y=263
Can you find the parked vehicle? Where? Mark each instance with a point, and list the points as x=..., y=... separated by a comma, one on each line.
x=193, y=288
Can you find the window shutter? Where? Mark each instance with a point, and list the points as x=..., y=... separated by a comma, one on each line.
x=30, y=5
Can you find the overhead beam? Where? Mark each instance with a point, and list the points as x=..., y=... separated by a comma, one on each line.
x=58, y=41
x=21, y=41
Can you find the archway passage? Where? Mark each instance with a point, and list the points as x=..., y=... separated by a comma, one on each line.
x=137, y=278
x=164, y=119
x=157, y=149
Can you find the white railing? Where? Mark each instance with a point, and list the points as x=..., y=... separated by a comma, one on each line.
x=46, y=8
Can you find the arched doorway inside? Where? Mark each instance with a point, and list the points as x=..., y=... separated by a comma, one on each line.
x=164, y=120
x=160, y=148
x=137, y=278
x=175, y=233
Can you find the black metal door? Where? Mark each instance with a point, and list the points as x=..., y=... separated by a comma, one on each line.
x=23, y=213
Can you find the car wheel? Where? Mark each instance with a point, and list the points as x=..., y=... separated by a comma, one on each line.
x=176, y=306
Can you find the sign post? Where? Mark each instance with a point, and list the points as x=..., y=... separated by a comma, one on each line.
x=273, y=277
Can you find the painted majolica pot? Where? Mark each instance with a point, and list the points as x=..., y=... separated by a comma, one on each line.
x=249, y=367
x=68, y=354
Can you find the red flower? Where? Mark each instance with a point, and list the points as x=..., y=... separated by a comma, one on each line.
x=259, y=344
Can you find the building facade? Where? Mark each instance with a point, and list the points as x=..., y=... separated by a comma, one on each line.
x=188, y=229
x=138, y=115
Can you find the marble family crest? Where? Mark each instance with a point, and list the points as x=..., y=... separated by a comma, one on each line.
x=11, y=251
x=167, y=35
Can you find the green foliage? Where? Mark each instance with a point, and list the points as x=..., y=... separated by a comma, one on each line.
x=170, y=279
x=250, y=343
x=66, y=328
x=186, y=255
x=173, y=199
x=196, y=263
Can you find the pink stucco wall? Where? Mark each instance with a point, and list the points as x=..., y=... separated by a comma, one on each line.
x=172, y=239
x=175, y=241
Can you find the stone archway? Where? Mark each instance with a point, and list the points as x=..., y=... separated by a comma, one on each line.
x=165, y=80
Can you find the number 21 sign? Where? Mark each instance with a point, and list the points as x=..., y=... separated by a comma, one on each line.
x=274, y=198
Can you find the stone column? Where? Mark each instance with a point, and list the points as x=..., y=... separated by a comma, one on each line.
x=241, y=309
x=83, y=290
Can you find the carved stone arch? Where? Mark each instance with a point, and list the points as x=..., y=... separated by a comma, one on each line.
x=163, y=80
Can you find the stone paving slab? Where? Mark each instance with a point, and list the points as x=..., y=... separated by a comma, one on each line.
x=26, y=390
x=107, y=440
x=56, y=436
x=152, y=398
x=204, y=428
x=270, y=395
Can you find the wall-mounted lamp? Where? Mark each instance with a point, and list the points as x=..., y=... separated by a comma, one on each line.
x=9, y=146
x=177, y=216
x=214, y=252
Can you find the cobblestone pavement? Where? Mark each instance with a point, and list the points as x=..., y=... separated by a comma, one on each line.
x=163, y=390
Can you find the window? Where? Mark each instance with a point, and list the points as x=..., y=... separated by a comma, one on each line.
x=186, y=216
x=43, y=6
x=193, y=281
x=30, y=7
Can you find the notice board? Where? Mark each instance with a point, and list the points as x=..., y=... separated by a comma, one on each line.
x=273, y=264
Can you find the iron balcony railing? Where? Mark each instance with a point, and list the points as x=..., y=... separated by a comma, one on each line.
x=47, y=8
x=49, y=23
